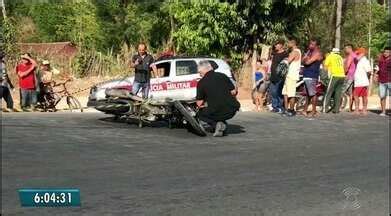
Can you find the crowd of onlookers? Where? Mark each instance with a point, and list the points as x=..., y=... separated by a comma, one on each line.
x=34, y=81
x=346, y=74
x=275, y=78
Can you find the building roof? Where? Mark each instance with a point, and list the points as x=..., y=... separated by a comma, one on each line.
x=56, y=49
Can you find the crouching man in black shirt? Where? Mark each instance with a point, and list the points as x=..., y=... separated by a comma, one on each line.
x=215, y=98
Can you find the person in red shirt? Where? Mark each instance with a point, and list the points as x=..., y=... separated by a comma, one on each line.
x=384, y=78
x=27, y=83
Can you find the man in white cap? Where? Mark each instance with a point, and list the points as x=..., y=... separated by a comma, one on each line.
x=334, y=66
x=47, y=72
x=45, y=77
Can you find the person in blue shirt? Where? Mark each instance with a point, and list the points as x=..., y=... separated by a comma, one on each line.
x=261, y=84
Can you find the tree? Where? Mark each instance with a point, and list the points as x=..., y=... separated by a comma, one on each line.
x=7, y=33
x=206, y=29
x=232, y=29
x=357, y=22
x=8, y=37
x=320, y=22
x=266, y=21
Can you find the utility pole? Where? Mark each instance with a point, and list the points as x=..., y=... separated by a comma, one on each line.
x=2, y=4
x=370, y=29
x=338, y=24
x=172, y=31
x=369, y=45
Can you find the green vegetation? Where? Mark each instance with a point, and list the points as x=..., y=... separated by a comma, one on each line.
x=356, y=21
x=105, y=30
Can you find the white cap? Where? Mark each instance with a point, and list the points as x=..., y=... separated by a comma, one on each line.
x=335, y=50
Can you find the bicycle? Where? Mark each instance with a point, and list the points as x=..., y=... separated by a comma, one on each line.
x=50, y=98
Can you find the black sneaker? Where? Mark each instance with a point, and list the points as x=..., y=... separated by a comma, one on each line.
x=206, y=126
x=291, y=113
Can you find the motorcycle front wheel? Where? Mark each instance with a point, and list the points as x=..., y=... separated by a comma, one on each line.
x=195, y=125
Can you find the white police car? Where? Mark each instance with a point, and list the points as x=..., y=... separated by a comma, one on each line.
x=178, y=78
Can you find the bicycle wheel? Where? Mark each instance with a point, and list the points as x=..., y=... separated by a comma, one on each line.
x=344, y=101
x=73, y=104
x=53, y=100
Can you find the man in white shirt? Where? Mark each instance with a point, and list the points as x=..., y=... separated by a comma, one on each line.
x=289, y=89
x=361, y=81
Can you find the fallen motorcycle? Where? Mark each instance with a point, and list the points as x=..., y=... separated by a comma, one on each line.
x=123, y=104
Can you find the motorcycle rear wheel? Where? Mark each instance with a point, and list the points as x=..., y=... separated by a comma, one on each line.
x=113, y=107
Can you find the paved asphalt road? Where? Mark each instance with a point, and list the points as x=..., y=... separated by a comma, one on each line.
x=268, y=166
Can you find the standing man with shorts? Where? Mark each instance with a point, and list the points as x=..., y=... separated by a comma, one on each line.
x=142, y=63
x=350, y=63
x=289, y=89
x=384, y=78
x=276, y=82
x=311, y=61
x=334, y=66
x=361, y=81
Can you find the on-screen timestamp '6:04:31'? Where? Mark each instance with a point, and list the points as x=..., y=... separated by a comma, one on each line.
x=38, y=197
